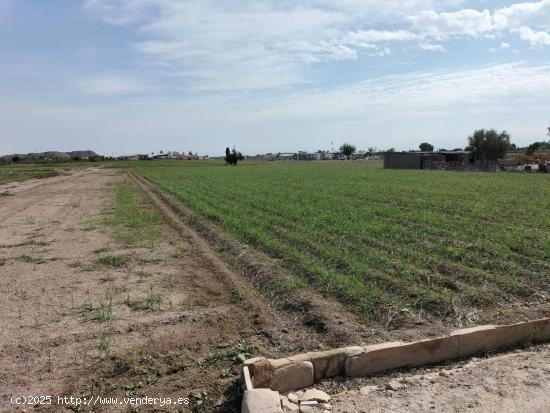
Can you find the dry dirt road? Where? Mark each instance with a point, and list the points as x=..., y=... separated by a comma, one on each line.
x=86, y=315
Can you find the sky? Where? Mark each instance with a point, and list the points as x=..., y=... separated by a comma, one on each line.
x=140, y=76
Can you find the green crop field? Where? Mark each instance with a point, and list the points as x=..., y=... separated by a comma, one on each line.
x=375, y=239
x=24, y=172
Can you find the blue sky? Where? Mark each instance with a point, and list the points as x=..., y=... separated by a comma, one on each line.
x=269, y=76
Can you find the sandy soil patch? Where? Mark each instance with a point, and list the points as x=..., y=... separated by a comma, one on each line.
x=511, y=382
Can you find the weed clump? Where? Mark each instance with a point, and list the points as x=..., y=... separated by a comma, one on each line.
x=115, y=261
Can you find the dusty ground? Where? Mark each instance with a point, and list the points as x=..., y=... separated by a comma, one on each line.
x=172, y=319
x=512, y=382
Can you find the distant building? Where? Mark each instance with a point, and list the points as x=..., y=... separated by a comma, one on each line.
x=428, y=160
x=305, y=156
x=174, y=155
x=285, y=156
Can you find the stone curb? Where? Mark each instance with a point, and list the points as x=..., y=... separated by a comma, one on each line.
x=261, y=401
x=247, y=382
x=302, y=370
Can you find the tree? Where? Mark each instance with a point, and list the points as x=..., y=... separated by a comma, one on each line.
x=232, y=157
x=537, y=146
x=347, y=149
x=426, y=147
x=488, y=144
x=531, y=149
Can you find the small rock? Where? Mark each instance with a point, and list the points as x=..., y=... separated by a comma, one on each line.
x=431, y=377
x=307, y=409
x=546, y=369
x=365, y=391
x=293, y=398
x=444, y=373
x=288, y=406
x=409, y=380
x=309, y=403
x=327, y=406
x=315, y=394
x=394, y=385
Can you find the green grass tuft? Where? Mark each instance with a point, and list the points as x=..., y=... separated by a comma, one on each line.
x=135, y=222
x=116, y=261
x=32, y=260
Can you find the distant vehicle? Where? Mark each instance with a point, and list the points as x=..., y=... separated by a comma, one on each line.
x=342, y=158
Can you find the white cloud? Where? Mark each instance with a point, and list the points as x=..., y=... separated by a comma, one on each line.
x=503, y=46
x=536, y=39
x=112, y=85
x=368, y=37
x=523, y=14
x=431, y=47
x=465, y=22
x=519, y=17
x=261, y=44
x=221, y=45
x=421, y=94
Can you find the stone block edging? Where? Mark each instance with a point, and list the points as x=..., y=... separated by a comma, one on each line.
x=303, y=370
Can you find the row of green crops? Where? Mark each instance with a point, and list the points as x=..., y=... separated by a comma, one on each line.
x=373, y=237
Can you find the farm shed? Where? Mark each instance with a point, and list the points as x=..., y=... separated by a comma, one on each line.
x=410, y=160
x=405, y=160
x=304, y=156
x=426, y=160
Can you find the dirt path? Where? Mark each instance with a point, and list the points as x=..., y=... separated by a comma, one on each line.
x=42, y=233
x=505, y=383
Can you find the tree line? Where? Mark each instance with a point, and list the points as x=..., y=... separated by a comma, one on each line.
x=484, y=144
